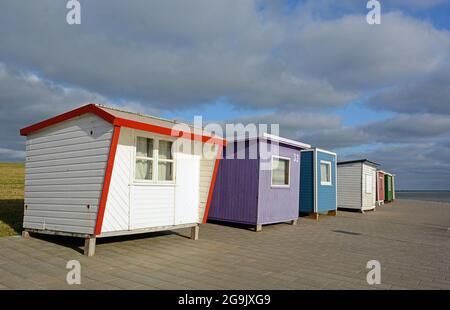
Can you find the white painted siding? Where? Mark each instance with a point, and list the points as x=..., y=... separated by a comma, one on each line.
x=349, y=186
x=65, y=166
x=117, y=211
x=369, y=196
x=152, y=206
x=206, y=172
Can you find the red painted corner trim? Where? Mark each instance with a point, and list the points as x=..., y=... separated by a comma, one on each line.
x=89, y=108
x=107, y=180
x=213, y=184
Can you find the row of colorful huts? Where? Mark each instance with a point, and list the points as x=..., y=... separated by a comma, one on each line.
x=98, y=171
x=301, y=181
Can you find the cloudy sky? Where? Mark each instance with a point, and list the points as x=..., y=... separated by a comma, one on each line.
x=315, y=67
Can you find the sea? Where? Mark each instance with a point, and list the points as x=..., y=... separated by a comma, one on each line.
x=439, y=196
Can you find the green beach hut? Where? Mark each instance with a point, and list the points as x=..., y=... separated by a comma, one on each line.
x=388, y=187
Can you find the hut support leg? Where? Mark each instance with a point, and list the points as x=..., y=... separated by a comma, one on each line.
x=25, y=234
x=332, y=213
x=194, y=232
x=258, y=228
x=314, y=215
x=89, y=246
x=294, y=222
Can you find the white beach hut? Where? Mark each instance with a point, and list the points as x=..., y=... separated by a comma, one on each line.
x=356, y=185
x=98, y=171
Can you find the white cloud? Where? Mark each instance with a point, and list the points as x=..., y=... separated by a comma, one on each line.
x=403, y=128
x=352, y=55
x=26, y=99
x=173, y=54
x=429, y=94
x=11, y=155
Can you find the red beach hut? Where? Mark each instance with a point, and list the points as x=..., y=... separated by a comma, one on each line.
x=380, y=187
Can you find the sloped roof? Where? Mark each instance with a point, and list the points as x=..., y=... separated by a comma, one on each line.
x=128, y=119
x=364, y=161
x=142, y=118
x=274, y=138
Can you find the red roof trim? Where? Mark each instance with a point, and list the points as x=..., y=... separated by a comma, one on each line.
x=107, y=180
x=90, y=108
x=212, y=185
x=167, y=131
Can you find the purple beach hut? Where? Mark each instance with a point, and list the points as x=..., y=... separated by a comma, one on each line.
x=258, y=182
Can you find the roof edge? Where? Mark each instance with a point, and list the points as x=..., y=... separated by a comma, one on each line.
x=366, y=161
x=275, y=138
x=324, y=151
x=89, y=108
x=286, y=141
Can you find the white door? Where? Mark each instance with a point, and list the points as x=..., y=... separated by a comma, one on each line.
x=152, y=188
x=187, y=188
x=374, y=187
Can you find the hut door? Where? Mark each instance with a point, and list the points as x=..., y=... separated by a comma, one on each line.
x=187, y=188
x=152, y=193
x=380, y=186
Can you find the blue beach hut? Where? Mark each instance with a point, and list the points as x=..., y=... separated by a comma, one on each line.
x=318, y=180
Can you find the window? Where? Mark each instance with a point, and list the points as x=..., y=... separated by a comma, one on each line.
x=154, y=160
x=369, y=183
x=280, y=171
x=144, y=159
x=165, y=161
x=325, y=173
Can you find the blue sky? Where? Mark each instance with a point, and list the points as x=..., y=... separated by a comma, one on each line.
x=315, y=67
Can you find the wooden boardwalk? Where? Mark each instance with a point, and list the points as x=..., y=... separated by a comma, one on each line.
x=411, y=240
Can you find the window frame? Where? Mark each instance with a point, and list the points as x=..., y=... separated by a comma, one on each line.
x=155, y=160
x=289, y=172
x=326, y=183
